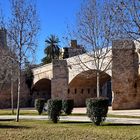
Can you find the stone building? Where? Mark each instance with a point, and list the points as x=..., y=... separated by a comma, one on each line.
x=6, y=68
x=73, y=50
x=70, y=79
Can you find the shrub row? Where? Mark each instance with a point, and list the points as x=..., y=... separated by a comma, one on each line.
x=97, y=108
x=67, y=106
x=39, y=105
x=54, y=107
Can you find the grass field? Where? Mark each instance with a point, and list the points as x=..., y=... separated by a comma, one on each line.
x=22, y=112
x=45, y=130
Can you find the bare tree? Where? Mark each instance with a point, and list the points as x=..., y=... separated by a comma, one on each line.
x=22, y=31
x=126, y=16
x=94, y=30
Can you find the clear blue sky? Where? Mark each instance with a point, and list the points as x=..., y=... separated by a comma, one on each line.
x=54, y=16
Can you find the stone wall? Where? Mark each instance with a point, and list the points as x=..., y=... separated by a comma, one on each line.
x=83, y=86
x=42, y=72
x=5, y=96
x=59, y=82
x=125, y=75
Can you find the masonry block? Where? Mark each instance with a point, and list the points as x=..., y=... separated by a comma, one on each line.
x=125, y=75
x=59, y=82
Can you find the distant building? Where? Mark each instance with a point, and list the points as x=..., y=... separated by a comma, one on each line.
x=73, y=50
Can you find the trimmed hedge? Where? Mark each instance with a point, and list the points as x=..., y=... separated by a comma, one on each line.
x=67, y=106
x=97, y=109
x=39, y=105
x=54, y=109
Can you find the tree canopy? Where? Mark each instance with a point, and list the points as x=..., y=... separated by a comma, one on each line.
x=52, y=49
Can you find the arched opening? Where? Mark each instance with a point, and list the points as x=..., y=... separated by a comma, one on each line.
x=41, y=89
x=83, y=86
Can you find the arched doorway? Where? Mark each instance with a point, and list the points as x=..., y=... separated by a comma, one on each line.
x=83, y=86
x=41, y=89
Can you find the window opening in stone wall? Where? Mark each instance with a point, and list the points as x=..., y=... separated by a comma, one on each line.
x=75, y=90
x=68, y=90
x=135, y=85
x=82, y=90
x=94, y=90
x=88, y=90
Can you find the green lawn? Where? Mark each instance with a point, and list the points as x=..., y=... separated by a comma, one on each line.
x=45, y=130
x=22, y=112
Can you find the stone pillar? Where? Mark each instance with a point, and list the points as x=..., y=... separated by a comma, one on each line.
x=59, y=82
x=124, y=75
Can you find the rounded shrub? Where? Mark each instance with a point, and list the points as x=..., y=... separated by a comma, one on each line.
x=97, y=109
x=54, y=109
x=39, y=105
x=67, y=106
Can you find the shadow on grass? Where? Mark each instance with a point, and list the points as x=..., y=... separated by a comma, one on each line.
x=104, y=124
x=120, y=124
x=4, y=126
x=7, y=120
x=76, y=122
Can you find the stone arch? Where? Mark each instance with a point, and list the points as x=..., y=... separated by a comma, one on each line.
x=83, y=86
x=41, y=89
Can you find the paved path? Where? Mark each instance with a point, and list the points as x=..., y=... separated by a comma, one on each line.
x=135, y=112
x=84, y=118
x=73, y=118
x=82, y=110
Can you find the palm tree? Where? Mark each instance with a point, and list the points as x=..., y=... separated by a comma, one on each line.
x=51, y=50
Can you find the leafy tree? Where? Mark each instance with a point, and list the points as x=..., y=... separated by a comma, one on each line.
x=51, y=50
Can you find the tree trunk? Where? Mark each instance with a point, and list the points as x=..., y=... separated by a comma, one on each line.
x=18, y=99
x=19, y=86
x=98, y=84
x=12, y=95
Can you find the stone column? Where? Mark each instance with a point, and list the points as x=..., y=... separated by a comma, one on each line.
x=124, y=74
x=59, y=82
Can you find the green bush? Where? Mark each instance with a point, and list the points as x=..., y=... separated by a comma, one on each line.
x=97, y=109
x=54, y=109
x=67, y=106
x=39, y=105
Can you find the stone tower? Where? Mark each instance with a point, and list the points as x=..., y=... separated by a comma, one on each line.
x=125, y=67
x=59, y=82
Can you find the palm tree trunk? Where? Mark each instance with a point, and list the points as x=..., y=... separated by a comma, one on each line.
x=52, y=52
